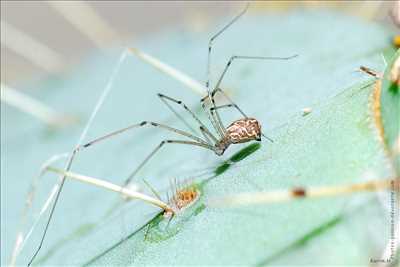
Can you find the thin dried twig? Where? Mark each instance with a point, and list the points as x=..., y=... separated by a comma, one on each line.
x=252, y=198
x=170, y=71
x=33, y=107
x=112, y=187
x=86, y=20
x=31, y=49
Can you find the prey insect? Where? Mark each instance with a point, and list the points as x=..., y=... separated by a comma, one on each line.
x=371, y=72
x=216, y=138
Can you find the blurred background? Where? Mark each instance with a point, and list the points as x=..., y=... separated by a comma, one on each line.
x=32, y=47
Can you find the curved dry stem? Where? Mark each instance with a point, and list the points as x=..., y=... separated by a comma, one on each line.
x=252, y=198
x=170, y=71
x=113, y=187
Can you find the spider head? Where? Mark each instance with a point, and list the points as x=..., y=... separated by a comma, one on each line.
x=243, y=130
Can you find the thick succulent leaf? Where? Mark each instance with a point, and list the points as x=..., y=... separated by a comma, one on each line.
x=258, y=235
x=389, y=110
x=335, y=144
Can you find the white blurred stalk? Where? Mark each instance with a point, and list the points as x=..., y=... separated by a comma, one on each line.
x=194, y=85
x=32, y=106
x=31, y=49
x=112, y=187
x=254, y=198
x=86, y=20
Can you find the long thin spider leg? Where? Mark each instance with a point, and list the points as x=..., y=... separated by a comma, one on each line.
x=21, y=238
x=216, y=88
x=219, y=90
x=179, y=76
x=164, y=98
x=143, y=123
x=53, y=207
x=99, y=103
x=132, y=175
x=299, y=193
x=175, y=112
x=218, y=118
x=213, y=109
x=212, y=39
x=218, y=122
x=152, y=189
x=223, y=106
x=211, y=117
x=207, y=137
x=230, y=61
x=233, y=104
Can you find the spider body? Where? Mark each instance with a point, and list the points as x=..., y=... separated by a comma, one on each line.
x=240, y=131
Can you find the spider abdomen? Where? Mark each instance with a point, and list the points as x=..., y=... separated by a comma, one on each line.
x=243, y=130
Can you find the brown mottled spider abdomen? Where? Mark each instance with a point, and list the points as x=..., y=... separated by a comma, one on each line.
x=243, y=130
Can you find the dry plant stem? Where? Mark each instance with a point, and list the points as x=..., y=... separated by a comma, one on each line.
x=32, y=106
x=395, y=72
x=314, y=192
x=86, y=20
x=178, y=75
x=112, y=187
x=31, y=49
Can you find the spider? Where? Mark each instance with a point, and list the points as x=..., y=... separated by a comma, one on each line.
x=216, y=139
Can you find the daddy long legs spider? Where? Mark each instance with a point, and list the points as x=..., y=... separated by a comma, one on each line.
x=217, y=138
x=242, y=130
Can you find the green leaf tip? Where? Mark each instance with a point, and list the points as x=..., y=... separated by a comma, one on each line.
x=238, y=156
x=245, y=152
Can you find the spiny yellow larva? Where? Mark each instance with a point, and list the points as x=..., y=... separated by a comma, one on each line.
x=182, y=199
